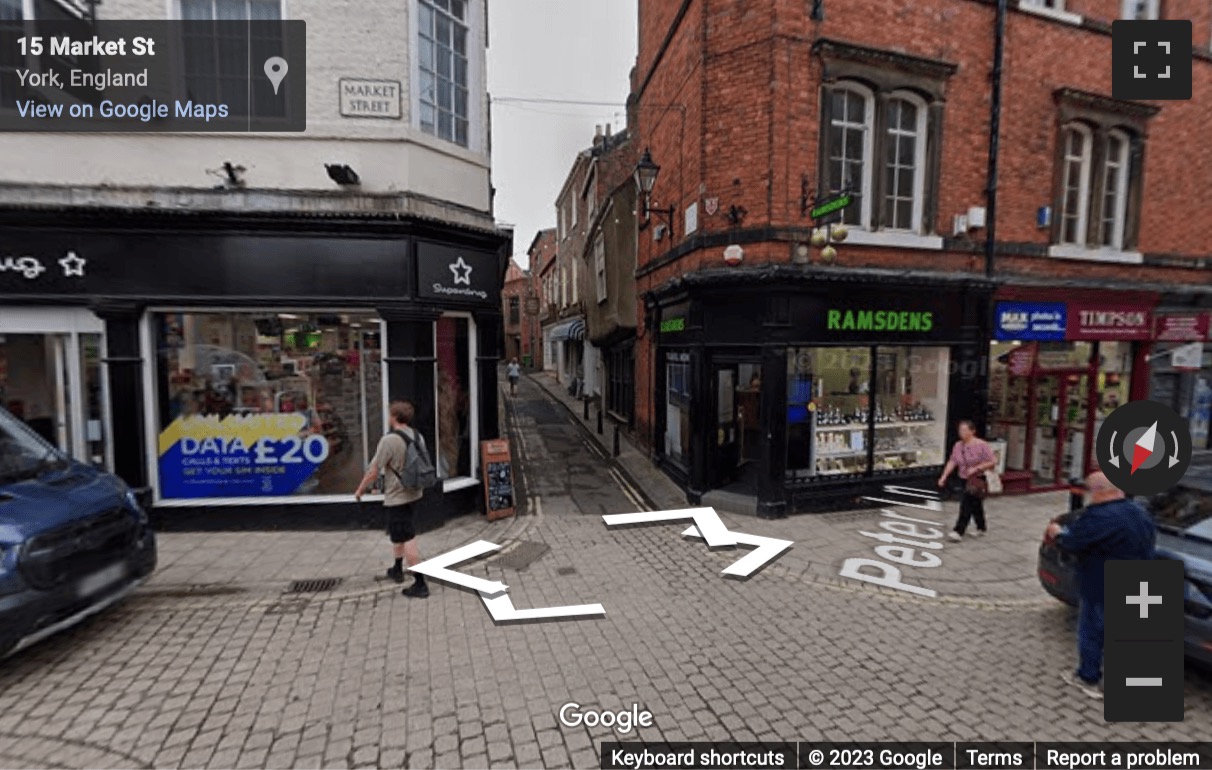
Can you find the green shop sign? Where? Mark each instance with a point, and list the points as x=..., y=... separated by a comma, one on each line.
x=880, y=320
x=830, y=205
x=673, y=325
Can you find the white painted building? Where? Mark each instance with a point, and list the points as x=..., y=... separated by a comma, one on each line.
x=224, y=274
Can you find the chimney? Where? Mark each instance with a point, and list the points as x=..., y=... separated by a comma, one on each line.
x=608, y=134
x=597, y=135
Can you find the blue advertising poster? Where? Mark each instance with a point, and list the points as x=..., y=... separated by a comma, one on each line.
x=1030, y=321
x=238, y=456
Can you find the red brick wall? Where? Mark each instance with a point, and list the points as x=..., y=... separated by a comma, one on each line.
x=745, y=130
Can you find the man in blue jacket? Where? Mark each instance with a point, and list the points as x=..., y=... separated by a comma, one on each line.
x=1110, y=527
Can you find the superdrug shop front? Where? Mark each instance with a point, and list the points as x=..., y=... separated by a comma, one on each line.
x=241, y=367
x=806, y=390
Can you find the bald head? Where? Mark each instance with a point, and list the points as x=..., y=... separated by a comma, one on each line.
x=1101, y=489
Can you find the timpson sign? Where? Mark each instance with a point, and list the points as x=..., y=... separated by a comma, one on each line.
x=1094, y=322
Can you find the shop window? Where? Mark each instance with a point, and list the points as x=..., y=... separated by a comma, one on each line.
x=455, y=423
x=677, y=408
x=620, y=391
x=911, y=406
x=829, y=396
x=836, y=423
x=265, y=405
x=443, y=63
x=215, y=56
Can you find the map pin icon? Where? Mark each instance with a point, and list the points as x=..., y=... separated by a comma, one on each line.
x=276, y=69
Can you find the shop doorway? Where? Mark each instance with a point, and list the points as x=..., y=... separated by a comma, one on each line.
x=1058, y=441
x=1047, y=402
x=736, y=440
x=53, y=383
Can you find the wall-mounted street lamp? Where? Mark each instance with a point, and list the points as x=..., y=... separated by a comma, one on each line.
x=646, y=172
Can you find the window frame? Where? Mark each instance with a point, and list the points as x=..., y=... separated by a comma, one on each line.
x=477, y=120
x=1122, y=168
x=1085, y=159
x=917, y=213
x=884, y=72
x=868, y=129
x=599, y=267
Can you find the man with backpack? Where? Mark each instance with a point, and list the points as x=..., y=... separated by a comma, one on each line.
x=404, y=462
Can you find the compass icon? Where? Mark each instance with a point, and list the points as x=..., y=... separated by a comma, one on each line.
x=1144, y=447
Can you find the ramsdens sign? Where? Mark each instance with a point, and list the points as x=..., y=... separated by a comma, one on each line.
x=880, y=320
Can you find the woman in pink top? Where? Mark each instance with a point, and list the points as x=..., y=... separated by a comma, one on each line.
x=971, y=456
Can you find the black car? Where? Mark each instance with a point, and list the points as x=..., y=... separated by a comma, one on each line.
x=1184, y=532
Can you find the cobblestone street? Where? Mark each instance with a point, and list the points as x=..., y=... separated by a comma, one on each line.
x=211, y=664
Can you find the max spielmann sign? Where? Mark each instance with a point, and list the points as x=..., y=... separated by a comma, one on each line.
x=370, y=98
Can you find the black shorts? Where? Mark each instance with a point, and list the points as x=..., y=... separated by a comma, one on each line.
x=400, y=527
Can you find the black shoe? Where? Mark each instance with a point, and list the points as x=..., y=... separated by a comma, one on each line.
x=416, y=591
x=396, y=574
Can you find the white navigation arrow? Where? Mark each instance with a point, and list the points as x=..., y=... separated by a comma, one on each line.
x=502, y=610
x=438, y=568
x=767, y=549
x=1174, y=457
x=1114, y=454
x=706, y=519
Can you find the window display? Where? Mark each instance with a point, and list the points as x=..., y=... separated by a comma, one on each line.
x=266, y=404
x=454, y=397
x=677, y=408
x=1047, y=398
x=837, y=426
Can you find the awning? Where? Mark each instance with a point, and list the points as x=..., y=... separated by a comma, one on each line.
x=569, y=330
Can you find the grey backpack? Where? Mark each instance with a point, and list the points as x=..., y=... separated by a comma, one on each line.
x=418, y=471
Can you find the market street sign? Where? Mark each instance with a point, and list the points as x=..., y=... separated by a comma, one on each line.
x=829, y=206
x=370, y=98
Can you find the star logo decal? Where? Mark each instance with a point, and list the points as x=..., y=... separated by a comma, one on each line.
x=72, y=265
x=462, y=272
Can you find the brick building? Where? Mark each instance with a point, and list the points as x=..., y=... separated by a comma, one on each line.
x=608, y=282
x=542, y=253
x=513, y=306
x=796, y=375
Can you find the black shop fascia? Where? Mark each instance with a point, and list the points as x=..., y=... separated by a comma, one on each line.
x=241, y=367
x=805, y=390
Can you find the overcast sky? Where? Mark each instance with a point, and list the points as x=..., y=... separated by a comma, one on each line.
x=573, y=50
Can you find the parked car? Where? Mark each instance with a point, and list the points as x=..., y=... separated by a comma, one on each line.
x=1184, y=532
x=73, y=539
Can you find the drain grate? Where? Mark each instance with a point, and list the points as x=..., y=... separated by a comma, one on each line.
x=313, y=586
x=526, y=553
x=566, y=570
